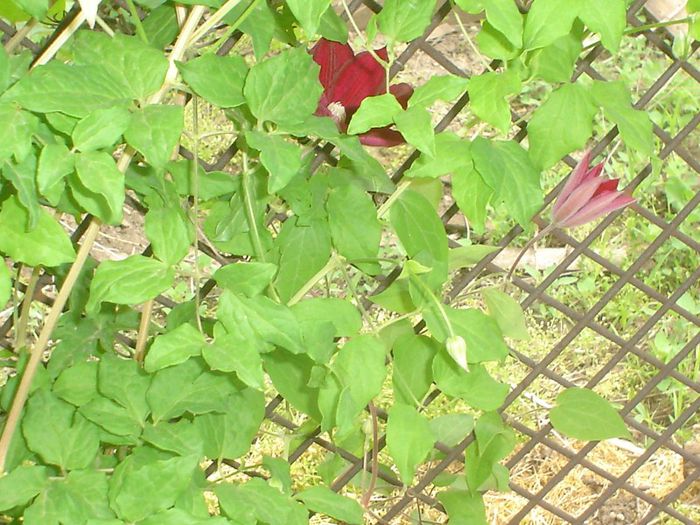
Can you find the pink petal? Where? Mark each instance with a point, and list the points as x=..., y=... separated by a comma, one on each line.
x=574, y=179
x=402, y=92
x=360, y=78
x=598, y=207
x=382, y=137
x=332, y=57
x=579, y=197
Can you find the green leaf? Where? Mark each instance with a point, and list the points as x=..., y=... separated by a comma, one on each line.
x=582, y=414
x=506, y=167
x=332, y=27
x=171, y=233
x=133, y=280
x=100, y=129
x=488, y=94
x=4, y=69
x=421, y=233
x=463, y=508
x=308, y=13
x=155, y=131
x=494, y=44
x=126, y=383
x=608, y=18
x=217, y=79
x=160, y=26
x=290, y=375
x=52, y=432
x=247, y=278
x=472, y=195
x=324, y=500
x=16, y=130
x=78, y=383
x=36, y=8
x=494, y=441
x=409, y=439
x=555, y=62
x=229, y=435
x=355, y=230
x=476, y=387
x=133, y=64
x=504, y=16
x=181, y=437
x=5, y=284
x=45, y=245
x=358, y=375
x=174, y=347
x=441, y=87
x=98, y=185
x=374, y=112
x=480, y=332
x=416, y=126
x=282, y=159
x=451, y=429
x=396, y=298
x=451, y=154
x=508, y=314
x=187, y=387
x=230, y=353
x=412, y=374
x=80, y=496
x=304, y=251
x=71, y=89
x=635, y=126
x=693, y=7
x=55, y=162
x=23, y=177
x=404, y=20
x=548, y=20
x=21, y=484
x=257, y=502
x=273, y=322
x=562, y=124
x=146, y=483
x=112, y=417
x=285, y=88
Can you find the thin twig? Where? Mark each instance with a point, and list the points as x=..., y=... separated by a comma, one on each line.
x=142, y=336
x=13, y=42
x=213, y=20
x=195, y=210
x=469, y=40
x=375, y=456
x=527, y=246
x=23, y=321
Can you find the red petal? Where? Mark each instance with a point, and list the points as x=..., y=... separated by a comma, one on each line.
x=332, y=57
x=360, y=78
x=402, y=92
x=579, y=198
x=608, y=185
x=382, y=137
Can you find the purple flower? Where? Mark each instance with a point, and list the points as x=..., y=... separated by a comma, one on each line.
x=587, y=195
x=347, y=80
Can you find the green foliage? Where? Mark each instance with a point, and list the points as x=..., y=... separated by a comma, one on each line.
x=109, y=439
x=583, y=414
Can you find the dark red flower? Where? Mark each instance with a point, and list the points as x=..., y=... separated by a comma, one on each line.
x=587, y=195
x=347, y=80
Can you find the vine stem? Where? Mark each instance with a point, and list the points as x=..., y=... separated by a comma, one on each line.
x=89, y=238
x=21, y=326
x=469, y=40
x=13, y=42
x=142, y=337
x=250, y=214
x=195, y=211
x=137, y=21
x=329, y=267
x=362, y=37
x=384, y=208
x=375, y=456
x=212, y=20
x=544, y=231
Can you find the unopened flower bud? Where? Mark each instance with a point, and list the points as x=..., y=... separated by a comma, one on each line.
x=457, y=348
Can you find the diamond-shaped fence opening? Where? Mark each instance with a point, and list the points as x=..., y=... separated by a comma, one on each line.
x=590, y=335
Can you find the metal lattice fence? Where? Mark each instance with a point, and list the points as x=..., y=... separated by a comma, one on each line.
x=613, y=495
